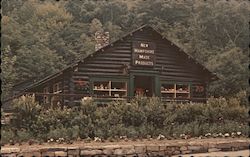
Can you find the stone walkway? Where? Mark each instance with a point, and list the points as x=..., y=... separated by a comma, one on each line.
x=129, y=148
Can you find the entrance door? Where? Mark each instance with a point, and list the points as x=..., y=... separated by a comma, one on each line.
x=144, y=86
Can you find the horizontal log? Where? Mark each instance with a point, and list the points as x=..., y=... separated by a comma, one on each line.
x=123, y=51
x=181, y=70
x=103, y=58
x=114, y=54
x=175, y=63
x=185, y=75
x=84, y=77
x=102, y=65
x=166, y=53
x=102, y=74
x=170, y=67
x=99, y=67
x=127, y=61
x=109, y=62
x=94, y=70
x=181, y=79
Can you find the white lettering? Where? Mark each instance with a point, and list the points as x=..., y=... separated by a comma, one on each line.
x=144, y=51
x=144, y=45
x=144, y=57
x=149, y=63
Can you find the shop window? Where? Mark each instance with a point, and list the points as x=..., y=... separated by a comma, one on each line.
x=168, y=90
x=118, y=89
x=110, y=88
x=175, y=90
x=182, y=91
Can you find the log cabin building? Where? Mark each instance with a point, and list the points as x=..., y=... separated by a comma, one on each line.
x=141, y=63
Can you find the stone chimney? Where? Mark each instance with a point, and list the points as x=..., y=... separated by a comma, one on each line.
x=102, y=39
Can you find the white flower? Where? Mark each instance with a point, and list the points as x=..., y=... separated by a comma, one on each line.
x=208, y=134
x=97, y=139
x=160, y=137
x=227, y=135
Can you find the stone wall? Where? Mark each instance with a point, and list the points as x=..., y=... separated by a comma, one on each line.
x=136, y=149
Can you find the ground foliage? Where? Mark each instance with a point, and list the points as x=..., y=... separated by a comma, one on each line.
x=141, y=118
x=41, y=37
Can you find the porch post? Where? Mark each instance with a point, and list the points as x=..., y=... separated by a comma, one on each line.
x=71, y=90
x=131, y=86
x=157, y=86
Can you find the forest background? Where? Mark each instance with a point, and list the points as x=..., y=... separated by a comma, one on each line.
x=41, y=37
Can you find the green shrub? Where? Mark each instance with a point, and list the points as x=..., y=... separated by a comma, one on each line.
x=24, y=135
x=241, y=97
x=117, y=130
x=227, y=127
x=219, y=110
x=155, y=113
x=26, y=112
x=53, y=117
x=7, y=136
x=88, y=107
x=139, y=118
x=56, y=133
x=62, y=132
x=133, y=115
x=217, y=102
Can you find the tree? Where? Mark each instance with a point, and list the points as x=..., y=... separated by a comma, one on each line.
x=8, y=75
x=37, y=61
x=114, y=31
x=72, y=42
x=212, y=32
x=214, y=25
x=28, y=31
x=231, y=68
x=95, y=26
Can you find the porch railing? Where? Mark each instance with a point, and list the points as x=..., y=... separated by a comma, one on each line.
x=78, y=97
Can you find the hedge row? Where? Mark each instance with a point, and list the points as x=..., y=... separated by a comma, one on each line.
x=138, y=119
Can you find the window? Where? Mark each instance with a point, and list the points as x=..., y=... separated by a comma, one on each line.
x=182, y=91
x=168, y=90
x=115, y=89
x=57, y=88
x=198, y=91
x=81, y=86
x=175, y=90
x=118, y=89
